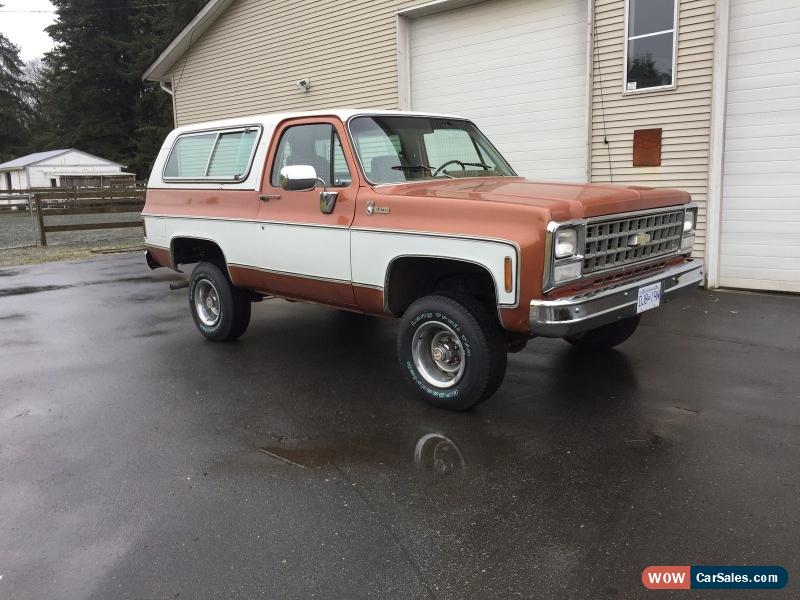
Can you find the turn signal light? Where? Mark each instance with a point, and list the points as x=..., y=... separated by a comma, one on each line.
x=509, y=275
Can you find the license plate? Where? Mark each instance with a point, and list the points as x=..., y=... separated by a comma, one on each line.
x=649, y=297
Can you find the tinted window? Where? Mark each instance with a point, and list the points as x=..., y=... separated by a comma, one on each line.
x=189, y=157
x=213, y=155
x=231, y=156
x=315, y=145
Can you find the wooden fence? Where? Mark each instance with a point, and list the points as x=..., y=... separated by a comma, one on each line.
x=55, y=202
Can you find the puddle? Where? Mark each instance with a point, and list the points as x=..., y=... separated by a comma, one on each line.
x=24, y=290
x=8, y=273
x=13, y=317
x=151, y=334
x=434, y=452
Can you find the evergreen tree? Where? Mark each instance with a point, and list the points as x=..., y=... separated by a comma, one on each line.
x=15, y=113
x=91, y=95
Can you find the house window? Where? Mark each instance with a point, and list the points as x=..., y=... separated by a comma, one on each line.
x=650, y=44
x=53, y=182
x=8, y=181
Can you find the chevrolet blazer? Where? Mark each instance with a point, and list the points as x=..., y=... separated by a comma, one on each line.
x=417, y=217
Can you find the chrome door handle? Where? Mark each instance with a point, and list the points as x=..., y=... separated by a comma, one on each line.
x=268, y=197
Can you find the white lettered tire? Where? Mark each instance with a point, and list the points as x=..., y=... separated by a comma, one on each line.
x=451, y=350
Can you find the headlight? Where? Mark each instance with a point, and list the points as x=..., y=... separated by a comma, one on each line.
x=566, y=243
x=690, y=220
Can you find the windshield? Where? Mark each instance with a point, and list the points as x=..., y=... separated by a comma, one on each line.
x=400, y=149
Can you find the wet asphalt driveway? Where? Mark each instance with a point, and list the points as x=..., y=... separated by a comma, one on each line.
x=139, y=461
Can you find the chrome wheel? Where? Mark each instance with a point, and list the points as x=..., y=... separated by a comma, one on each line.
x=206, y=302
x=438, y=354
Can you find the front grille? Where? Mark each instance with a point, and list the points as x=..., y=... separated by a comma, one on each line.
x=608, y=241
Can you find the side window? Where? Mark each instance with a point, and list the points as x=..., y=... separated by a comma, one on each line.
x=189, y=157
x=315, y=145
x=650, y=40
x=214, y=155
x=231, y=156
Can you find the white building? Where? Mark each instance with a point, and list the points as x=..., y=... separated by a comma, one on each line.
x=60, y=168
x=701, y=95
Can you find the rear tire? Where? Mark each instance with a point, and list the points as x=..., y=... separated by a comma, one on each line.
x=607, y=336
x=220, y=310
x=451, y=350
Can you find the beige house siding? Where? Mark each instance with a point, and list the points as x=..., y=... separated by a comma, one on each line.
x=684, y=113
x=249, y=60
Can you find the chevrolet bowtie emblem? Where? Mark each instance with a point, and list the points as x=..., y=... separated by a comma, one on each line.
x=639, y=239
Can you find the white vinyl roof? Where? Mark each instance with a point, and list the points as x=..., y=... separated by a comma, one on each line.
x=270, y=120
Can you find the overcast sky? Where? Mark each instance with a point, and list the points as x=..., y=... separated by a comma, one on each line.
x=26, y=29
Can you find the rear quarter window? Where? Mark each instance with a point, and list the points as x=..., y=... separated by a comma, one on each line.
x=224, y=155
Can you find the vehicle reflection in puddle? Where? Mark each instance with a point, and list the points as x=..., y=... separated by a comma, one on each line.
x=434, y=453
x=438, y=453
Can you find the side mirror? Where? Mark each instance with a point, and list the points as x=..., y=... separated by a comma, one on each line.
x=298, y=178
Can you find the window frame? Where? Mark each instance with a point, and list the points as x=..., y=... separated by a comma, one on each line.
x=219, y=132
x=627, y=39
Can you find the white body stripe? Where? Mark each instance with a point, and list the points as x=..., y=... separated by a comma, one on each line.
x=358, y=255
x=373, y=251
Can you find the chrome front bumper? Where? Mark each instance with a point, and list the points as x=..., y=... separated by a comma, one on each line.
x=589, y=310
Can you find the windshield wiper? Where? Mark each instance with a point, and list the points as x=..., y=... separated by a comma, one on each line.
x=418, y=168
x=484, y=166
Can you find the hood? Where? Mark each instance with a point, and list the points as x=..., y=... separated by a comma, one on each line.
x=564, y=201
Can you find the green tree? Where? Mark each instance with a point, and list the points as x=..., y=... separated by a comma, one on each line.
x=15, y=113
x=91, y=95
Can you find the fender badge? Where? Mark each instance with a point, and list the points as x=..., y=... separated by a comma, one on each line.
x=376, y=210
x=639, y=239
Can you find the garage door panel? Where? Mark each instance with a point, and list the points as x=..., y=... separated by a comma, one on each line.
x=518, y=68
x=760, y=215
x=760, y=224
x=760, y=155
x=749, y=202
x=774, y=68
x=758, y=251
x=744, y=240
x=740, y=37
x=762, y=81
x=499, y=66
x=770, y=92
x=763, y=169
x=752, y=14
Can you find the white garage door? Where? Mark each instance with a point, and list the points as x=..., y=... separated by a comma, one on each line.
x=518, y=69
x=760, y=232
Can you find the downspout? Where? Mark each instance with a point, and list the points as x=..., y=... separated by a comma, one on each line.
x=170, y=89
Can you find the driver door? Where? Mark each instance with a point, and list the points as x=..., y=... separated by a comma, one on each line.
x=303, y=252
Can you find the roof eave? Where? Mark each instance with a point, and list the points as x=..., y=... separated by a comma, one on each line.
x=183, y=41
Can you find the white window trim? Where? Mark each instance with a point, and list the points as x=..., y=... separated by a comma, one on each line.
x=627, y=38
x=207, y=178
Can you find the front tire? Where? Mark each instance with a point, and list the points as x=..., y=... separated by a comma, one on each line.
x=451, y=350
x=221, y=311
x=607, y=336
